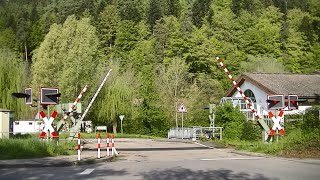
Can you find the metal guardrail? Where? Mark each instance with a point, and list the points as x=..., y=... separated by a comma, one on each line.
x=195, y=132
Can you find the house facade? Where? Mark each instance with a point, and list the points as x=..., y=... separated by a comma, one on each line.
x=257, y=87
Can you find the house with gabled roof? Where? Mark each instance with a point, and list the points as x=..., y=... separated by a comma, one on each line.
x=257, y=87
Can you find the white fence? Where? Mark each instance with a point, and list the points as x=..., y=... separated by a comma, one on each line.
x=195, y=132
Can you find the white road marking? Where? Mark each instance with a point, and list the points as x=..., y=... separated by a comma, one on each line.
x=235, y=158
x=204, y=145
x=86, y=172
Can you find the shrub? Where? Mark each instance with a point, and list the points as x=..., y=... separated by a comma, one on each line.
x=231, y=119
x=251, y=131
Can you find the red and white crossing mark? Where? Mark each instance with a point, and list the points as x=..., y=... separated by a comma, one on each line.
x=238, y=88
x=276, y=123
x=48, y=124
x=75, y=102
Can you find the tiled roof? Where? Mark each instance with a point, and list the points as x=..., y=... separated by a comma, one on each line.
x=304, y=85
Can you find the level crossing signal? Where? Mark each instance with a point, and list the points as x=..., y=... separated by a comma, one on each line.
x=293, y=102
x=275, y=102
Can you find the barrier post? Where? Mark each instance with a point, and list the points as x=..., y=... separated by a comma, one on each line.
x=79, y=144
x=108, y=146
x=112, y=141
x=99, y=153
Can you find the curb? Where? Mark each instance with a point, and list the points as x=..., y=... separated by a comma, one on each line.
x=251, y=154
x=59, y=163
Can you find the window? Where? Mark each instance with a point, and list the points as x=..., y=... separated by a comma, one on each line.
x=248, y=93
x=16, y=123
x=30, y=123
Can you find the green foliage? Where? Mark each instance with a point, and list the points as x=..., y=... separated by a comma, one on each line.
x=154, y=12
x=311, y=120
x=231, y=119
x=200, y=9
x=66, y=58
x=262, y=64
x=70, y=44
x=11, y=81
x=116, y=97
x=251, y=131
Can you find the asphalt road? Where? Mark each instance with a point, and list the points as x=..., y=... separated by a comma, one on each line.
x=160, y=160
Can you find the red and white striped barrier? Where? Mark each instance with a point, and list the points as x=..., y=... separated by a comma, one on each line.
x=79, y=144
x=276, y=123
x=99, y=151
x=108, y=145
x=238, y=88
x=75, y=102
x=48, y=125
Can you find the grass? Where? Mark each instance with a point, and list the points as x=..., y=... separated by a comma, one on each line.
x=295, y=144
x=29, y=146
x=33, y=148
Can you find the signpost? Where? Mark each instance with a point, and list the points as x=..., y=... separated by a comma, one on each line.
x=121, y=119
x=182, y=109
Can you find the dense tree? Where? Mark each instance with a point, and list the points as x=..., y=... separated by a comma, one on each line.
x=116, y=97
x=66, y=57
x=12, y=80
x=73, y=43
x=108, y=24
x=154, y=12
x=200, y=9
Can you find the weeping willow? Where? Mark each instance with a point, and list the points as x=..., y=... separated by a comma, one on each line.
x=12, y=70
x=116, y=100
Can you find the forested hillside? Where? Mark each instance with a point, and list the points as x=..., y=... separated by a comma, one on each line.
x=162, y=52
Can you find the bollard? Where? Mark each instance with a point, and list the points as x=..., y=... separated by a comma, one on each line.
x=99, y=146
x=112, y=142
x=79, y=143
x=108, y=146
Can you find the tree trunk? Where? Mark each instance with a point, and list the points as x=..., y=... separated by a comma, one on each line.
x=115, y=126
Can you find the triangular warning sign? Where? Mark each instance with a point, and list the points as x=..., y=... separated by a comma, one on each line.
x=182, y=108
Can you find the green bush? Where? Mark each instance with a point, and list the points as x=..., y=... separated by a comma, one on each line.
x=231, y=119
x=311, y=119
x=251, y=131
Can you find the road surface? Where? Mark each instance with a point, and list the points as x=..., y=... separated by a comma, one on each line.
x=174, y=160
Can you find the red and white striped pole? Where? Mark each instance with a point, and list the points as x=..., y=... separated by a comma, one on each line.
x=238, y=88
x=79, y=144
x=99, y=152
x=112, y=142
x=108, y=145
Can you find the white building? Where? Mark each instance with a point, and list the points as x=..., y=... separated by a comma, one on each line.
x=257, y=86
x=24, y=127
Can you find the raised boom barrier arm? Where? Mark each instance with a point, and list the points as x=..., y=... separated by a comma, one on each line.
x=261, y=121
x=62, y=121
x=76, y=128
